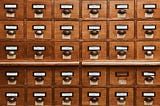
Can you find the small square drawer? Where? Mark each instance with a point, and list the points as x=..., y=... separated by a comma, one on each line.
x=39, y=76
x=148, y=29
x=121, y=29
x=39, y=97
x=11, y=30
x=66, y=51
x=94, y=76
x=94, y=96
x=38, y=30
x=12, y=9
x=94, y=9
x=39, y=51
x=94, y=30
x=94, y=50
x=121, y=50
x=66, y=9
x=39, y=9
x=66, y=96
x=148, y=50
x=12, y=97
x=66, y=30
x=148, y=9
x=121, y=9
x=148, y=76
x=121, y=97
x=67, y=76
x=122, y=75
x=147, y=97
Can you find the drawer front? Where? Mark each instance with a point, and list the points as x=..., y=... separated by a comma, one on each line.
x=66, y=30
x=13, y=51
x=148, y=29
x=39, y=51
x=67, y=76
x=121, y=9
x=39, y=9
x=94, y=96
x=67, y=9
x=66, y=96
x=11, y=30
x=121, y=50
x=94, y=9
x=121, y=29
x=12, y=97
x=147, y=96
x=148, y=9
x=12, y=9
x=148, y=76
x=122, y=75
x=39, y=76
x=39, y=96
x=121, y=96
x=94, y=30
x=94, y=50
x=94, y=76
x=67, y=51
x=12, y=76
x=38, y=30
x=148, y=50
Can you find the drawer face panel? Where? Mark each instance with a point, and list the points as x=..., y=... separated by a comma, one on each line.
x=39, y=51
x=66, y=51
x=148, y=29
x=94, y=96
x=121, y=9
x=94, y=76
x=38, y=30
x=121, y=29
x=67, y=9
x=122, y=75
x=148, y=76
x=148, y=50
x=94, y=30
x=148, y=9
x=67, y=76
x=39, y=76
x=66, y=30
x=121, y=96
x=39, y=9
x=39, y=96
x=12, y=76
x=147, y=96
x=94, y=50
x=94, y=9
x=11, y=30
x=66, y=96
x=12, y=9
x=12, y=97
x=121, y=50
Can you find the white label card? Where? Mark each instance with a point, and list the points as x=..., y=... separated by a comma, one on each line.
x=121, y=27
x=121, y=48
x=39, y=48
x=149, y=48
x=121, y=94
x=94, y=6
x=63, y=74
x=66, y=27
x=122, y=6
x=39, y=27
x=148, y=74
x=9, y=48
x=11, y=27
x=66, y=6
x=10, y=6
x=94, y=94
x=66, y=48
x=38, y=6
x=94, y=27
x=10, y=94
x=39, y=94
x=66, y=94
x=148, y=94
x=8, y=74
x=92, y=48
x=39, y=74
x=94, y=74
x=149, y=27
x=149, y=6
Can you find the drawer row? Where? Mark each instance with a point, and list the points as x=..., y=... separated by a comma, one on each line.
x=75, y=30
x=86, y=77
x=124, y=9
x=75, y=51
x=85, y=97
